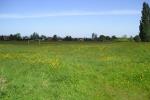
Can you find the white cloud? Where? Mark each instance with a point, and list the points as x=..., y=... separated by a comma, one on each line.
x=73, y=13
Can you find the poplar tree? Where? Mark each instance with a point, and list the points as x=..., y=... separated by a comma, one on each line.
x=145, y=23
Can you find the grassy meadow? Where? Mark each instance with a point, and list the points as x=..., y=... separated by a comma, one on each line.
x=74, y=71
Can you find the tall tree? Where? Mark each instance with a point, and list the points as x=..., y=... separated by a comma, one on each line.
x=35, y=36
x=17, y=36
x=94, y=36
x=54, y=38
x=145, y=23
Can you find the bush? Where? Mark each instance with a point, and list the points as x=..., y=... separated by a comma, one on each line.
x=137, y=38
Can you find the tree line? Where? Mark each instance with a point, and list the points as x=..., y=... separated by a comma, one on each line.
x=94, y=37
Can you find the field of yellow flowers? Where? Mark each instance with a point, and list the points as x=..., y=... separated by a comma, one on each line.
x=74, y=71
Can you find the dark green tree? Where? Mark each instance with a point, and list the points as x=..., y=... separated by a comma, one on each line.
x=43, y=37
x=17, y=36
x=145, y=23
x=108, y=38
x=68, y=38
x=113, y=38
x=11, y=37
x=55, y=38
x=94, y=36
x=137, y=38
x=102, y=38
x=35, y=36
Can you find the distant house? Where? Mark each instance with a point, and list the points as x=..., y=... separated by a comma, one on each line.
x=26, y=38
x=43, y=39
x=59, y=39
x=5, y=38
x=49, y=38
x=81, y=39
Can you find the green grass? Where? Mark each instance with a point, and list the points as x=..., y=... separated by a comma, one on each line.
x=74, y=71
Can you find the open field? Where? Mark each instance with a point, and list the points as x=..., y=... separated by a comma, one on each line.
x=74, y=71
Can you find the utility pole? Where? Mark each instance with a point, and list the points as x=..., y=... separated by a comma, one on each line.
x=39, y=42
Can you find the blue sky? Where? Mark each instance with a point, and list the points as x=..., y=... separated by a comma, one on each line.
x=78, y=18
